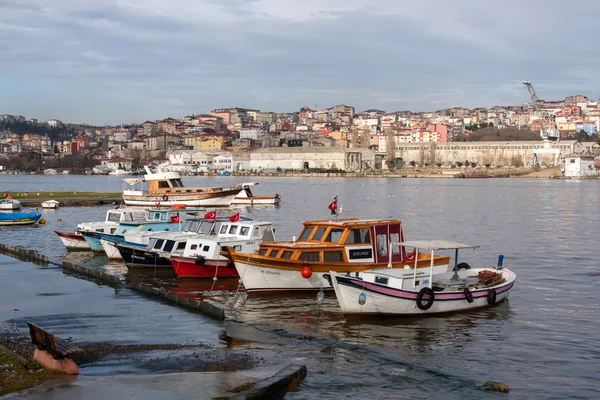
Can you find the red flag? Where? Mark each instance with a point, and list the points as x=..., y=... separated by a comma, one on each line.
x=175, y=219
x=117, y=207
x=210, y=215
x=235, y=217
x=333, y=205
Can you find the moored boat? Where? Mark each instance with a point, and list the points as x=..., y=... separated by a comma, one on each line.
x=19, y=218
x=387, y=291
x=201, y=257
x=166, y=189
x=247, y=197
x=76, y=241
x=50, y=204
x=345, y=245
x=8, y=203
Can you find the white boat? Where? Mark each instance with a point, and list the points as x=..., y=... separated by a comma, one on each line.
x=166, y=189
x=50, y=204
x=389, y=291
x=9, y=204
x=120, y=172
x=247, y=197
x=76, y=241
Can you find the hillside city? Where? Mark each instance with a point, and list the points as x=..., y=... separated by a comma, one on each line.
x=228, y=139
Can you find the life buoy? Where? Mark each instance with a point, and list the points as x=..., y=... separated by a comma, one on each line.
x=165, y=197
x=491, y=296
x=200, y=260
x=425, y=291
x=462, y=265
x=468, y=295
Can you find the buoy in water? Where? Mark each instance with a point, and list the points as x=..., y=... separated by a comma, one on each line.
x=42, y=221
x=306, y=272
x=362, y=299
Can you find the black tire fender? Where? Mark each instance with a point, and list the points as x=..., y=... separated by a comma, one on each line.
x=200, y=260
x=462, y=265
x=165, y=197
x=491, y=296
x=468, y=295
x=425, y=291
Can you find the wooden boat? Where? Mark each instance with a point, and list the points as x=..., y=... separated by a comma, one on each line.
x=388, y=291
x=9, y=204
x=344, y=245
x=202, y=258
x=19, y=218
x=166, y=189
x=247, y=197
x=50, y=204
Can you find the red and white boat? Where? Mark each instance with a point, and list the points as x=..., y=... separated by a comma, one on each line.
x=201, y=257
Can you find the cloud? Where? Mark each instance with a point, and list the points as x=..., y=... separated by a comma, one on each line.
x=182, y=56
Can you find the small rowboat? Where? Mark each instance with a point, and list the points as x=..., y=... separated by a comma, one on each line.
x=10, y=204
x=50, y=204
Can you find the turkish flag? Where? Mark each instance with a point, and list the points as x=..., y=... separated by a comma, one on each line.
x=235, y=217
x=210, y=215
x=175, y=219
x=333, y=205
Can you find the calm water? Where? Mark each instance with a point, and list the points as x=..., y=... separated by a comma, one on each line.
x=543, y=342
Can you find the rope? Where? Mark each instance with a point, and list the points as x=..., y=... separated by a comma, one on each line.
x=240, y=281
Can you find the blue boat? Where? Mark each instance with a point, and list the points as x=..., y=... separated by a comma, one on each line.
x=19, y=218
x=157, y=220
x=226, y=173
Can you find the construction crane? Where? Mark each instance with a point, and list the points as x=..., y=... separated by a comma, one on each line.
x=547, y=130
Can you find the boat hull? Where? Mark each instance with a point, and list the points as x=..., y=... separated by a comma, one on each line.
x=257, y=200
x=50, y=204
x=24, y=220
x=110, y=249
x=186, y=268
x=142, y=259
x=384, y=300
x=72, y=241
x=217, y=199
x=10, y=205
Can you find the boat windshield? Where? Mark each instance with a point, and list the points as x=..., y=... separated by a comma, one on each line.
x=191, y=226
x=176, y=183
x=206, y=227
x=113, y=217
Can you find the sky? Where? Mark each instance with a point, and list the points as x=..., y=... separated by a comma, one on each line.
x=111, y=62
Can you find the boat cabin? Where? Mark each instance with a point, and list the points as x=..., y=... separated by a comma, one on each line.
x=343, y=240
x=239, y=235
x=114, y=217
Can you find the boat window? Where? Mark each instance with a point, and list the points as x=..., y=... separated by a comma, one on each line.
x=286, y=254
x=395, y=238
x=334, y=235
x=151, y=243
x=159, y=243
x=256, y=232
x=191, y=226
x=262, y=252
x=237, y=248
x=381, y=280
x=358, y=236
x=205, y=248
x=114, y=217
x=100, y=230
x=180, y=245
x=112, y=230
x=382, y=245
x=309, y=256
x=305, y=234
x=318, y=234
x=244, y=230
x=163, y=184
x=233, y=230
x=176, y=183
x=333, y=256
x=193, y=247
x=157, y=215
x=205, y=227
x=169, y=246
x=223, y=229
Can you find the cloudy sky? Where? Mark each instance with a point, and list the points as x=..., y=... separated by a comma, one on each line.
x=105, y=61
